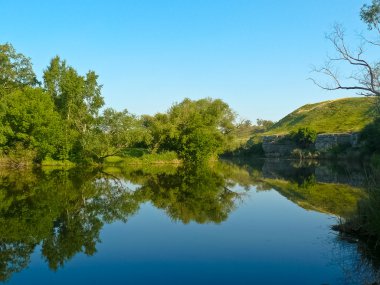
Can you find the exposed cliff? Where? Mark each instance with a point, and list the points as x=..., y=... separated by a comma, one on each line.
x=281, y=146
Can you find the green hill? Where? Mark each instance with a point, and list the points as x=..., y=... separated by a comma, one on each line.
x=335, y=116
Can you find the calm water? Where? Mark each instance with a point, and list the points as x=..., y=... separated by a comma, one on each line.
x=263, y=224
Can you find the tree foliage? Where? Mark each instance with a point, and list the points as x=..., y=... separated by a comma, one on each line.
x=195, y=129
x=63, y=120
x=29, y=117
x=202, y=128
x=15, y=70
x=370, y=14
x=77, y=99
x=112, y=133
x=304, y=137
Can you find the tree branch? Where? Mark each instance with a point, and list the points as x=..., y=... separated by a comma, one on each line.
x=366, y=79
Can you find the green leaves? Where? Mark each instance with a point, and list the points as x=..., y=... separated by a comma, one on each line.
x=15, y=70
x=304, y=137
x=29, y=117
x=62, y=120
x=370, y=14
x=113, y=132
x=78, y=100
x=203, y=128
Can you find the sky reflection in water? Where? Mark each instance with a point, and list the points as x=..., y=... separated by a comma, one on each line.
x=221, y=226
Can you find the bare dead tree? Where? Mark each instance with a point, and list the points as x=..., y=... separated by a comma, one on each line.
x=364, y=76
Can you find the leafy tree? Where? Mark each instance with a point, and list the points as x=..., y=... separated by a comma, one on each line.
x=29, y=117
x=77, y=98
x=113, y=132
x=202, y=128
x=160, y=131
x=15, y=70
x=304, y=137
x=265, y=124
x=370, y=14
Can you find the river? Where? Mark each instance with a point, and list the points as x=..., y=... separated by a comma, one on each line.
x=263, y=222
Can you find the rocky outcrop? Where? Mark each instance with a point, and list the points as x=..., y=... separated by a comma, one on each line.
x=325, y=142
x=280, y=146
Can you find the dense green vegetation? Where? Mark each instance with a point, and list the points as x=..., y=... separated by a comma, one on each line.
x=60, y=119
x=337, y=116
x=304, y=137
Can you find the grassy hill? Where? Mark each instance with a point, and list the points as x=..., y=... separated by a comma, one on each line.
x=334, y=116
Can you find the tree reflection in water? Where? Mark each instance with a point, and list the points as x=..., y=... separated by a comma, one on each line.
x=64, y=211
x=191, y=194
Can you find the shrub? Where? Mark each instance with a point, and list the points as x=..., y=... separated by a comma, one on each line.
x=20, y=156
x=304, y=137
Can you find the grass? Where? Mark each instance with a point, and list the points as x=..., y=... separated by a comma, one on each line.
x=57, y=163
x=141, y=156
x=335, y=116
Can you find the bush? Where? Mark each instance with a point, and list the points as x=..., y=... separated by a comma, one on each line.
x=304, y=137
x=20, y=156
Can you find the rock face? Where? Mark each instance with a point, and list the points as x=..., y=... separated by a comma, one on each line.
x=280, y=146
x=325, y=142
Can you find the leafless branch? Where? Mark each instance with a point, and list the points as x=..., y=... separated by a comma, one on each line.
x=366, y=79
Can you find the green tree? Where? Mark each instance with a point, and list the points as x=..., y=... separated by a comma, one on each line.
x=202, y=128
x=28, y=117
x=77, y=98
x=113, y=132
x=160, y=131
x=15, y=70
x=304, y=137
x=265, y=124
x=370, y=14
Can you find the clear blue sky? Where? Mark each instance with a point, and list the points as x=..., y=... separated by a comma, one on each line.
x=254, y=54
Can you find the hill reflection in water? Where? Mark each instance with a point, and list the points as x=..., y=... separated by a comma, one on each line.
x=62, y=213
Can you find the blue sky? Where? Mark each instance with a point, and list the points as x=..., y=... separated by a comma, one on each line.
x=255, y=55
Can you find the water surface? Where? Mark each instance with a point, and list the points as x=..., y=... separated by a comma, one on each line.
x=263, y=224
